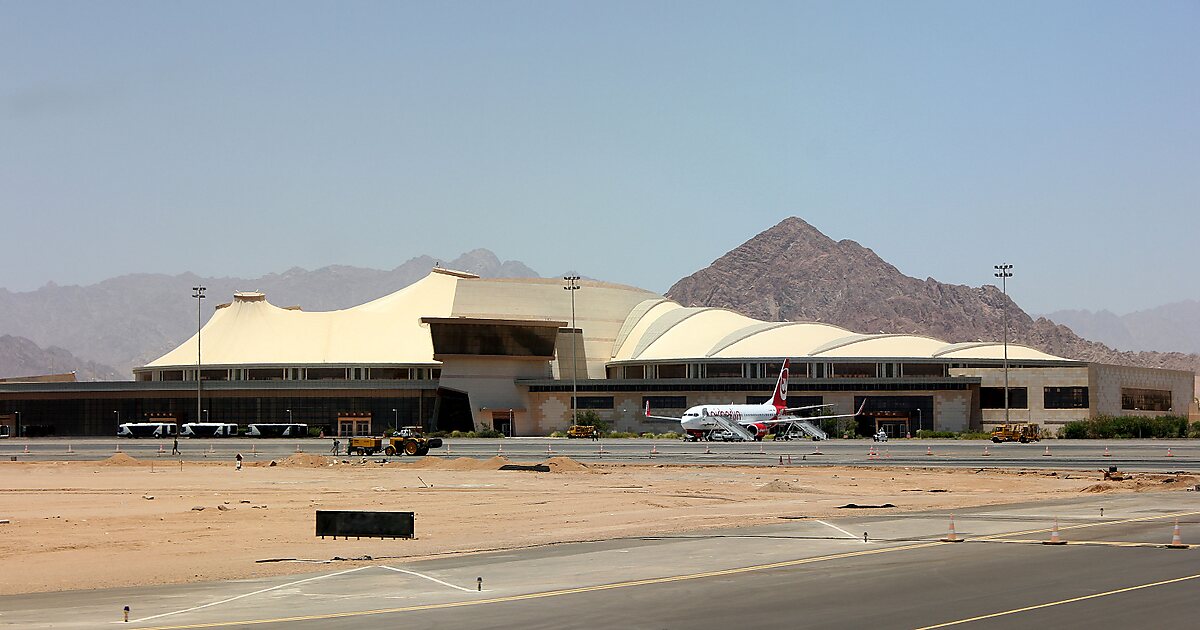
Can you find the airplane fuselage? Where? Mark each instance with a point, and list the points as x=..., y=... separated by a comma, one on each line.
x=700, y=417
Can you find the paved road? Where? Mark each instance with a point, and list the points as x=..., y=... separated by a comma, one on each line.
x=1113, y=573
x=1133, y=455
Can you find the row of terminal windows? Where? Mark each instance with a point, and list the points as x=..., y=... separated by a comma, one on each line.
x=771, y=370
x=1018, y=398
x=296, y=374
x=681, y=402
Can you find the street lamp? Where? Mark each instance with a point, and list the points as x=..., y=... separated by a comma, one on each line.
x=289, y=413
x=18, y=427
x=118, y=415
x=573, y=286
x=199, y=295
x=396, y=425
x=920, y=419
x=206, y=415
x=1004, y=272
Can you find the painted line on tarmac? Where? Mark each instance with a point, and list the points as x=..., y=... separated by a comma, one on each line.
x=244, y=595
x=616, y=585
x=1090, y=543
x=557, y=593
x=1060, y=602
x=427, y=577
x=848, y=534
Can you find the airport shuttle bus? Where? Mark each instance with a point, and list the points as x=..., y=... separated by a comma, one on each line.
x=209, y=429
x=277, y=430
x=146, y=429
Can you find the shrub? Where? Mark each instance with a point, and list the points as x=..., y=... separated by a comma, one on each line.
x=671, y=435
x=558, y=434
x=1194, y=430
x=930, y=433
x=619, y=434
x=1108, y=427
x=486, y=433
x=974, y=435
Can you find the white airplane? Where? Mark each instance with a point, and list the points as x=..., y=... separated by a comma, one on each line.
x=747, y=421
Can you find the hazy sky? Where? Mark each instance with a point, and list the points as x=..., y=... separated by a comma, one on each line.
x=631, y=141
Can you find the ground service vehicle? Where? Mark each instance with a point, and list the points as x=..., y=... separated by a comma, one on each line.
x=581, y=431
x=277, y=430
x=209, y=429
x=411, y=444
x=1022, y=432
x=146, y=429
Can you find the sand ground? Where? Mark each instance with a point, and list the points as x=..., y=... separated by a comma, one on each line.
x=82, y=525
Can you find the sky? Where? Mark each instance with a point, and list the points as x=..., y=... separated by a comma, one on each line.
x=634, y=142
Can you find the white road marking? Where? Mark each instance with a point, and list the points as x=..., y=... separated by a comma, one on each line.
x=243, y=595
x=848, y=534
x=431, y=579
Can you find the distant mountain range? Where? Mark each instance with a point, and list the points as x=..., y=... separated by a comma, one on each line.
x=128, y=321
x=1173, y=326
x=793, y=272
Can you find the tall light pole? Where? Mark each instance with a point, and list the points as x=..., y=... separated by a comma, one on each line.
x=396, y=412
x=573, y=286
x=920, y=419
x=289, y=413
x=1004, y=272
x=206, y=415
x=18, y=423
x=118, y=415
x=199, y=295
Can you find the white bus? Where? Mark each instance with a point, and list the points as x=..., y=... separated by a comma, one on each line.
x=146, y=429
x=209, y=429
x=277, y=430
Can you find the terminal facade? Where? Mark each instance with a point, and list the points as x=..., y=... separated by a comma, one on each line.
x=457, y=352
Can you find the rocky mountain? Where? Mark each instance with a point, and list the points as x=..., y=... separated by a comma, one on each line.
x=1173, y=326
x=130, y=320
x=793, y=272
x=21, y=357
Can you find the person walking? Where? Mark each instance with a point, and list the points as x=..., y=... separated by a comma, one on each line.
x=239, y=461
x=336, y=446
x=175, y=447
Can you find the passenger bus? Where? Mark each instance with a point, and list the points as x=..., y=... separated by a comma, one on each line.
x=146, y=429
x=277, y=430
x=209, y=429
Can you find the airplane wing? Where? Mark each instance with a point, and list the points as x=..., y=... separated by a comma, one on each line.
x=806, y=408
x=660, y=417
x=811, y=418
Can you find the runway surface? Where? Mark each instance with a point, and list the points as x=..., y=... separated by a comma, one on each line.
x=1114, y=572
x=1132, y=455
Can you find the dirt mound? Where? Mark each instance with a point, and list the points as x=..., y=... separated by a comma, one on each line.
x=565, y=465
x=786, y=486
x=120, y=459
x=305, y=460
x=1100, y=487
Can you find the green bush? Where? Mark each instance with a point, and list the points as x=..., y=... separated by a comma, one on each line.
x=620, y=434
x=930, y=433
x=954, y=435
x=1194, y=430
x=486, y=433
x=974, y=435
x=558, y=434
x=1109, y=427
x=671, y=435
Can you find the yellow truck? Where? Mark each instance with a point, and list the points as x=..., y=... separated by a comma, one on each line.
x=1023, y=432
x=408, y=442
x=581, y=431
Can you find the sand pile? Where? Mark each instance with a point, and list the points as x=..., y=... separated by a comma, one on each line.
x=565, y=465
x=305, y=460
x=120, y=459
x=1100, y=487
x=786, y=486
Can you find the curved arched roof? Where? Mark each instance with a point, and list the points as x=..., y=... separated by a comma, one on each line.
x=619, y=323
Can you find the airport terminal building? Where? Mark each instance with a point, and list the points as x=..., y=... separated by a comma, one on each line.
x=457, y=352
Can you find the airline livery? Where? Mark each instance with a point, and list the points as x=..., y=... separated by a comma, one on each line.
x=756, y=420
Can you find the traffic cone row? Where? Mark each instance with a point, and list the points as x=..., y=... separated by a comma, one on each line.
x=1055, y=539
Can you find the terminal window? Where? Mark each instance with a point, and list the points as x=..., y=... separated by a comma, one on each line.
x=1065, y=398
x=594, y=402
x=1145, y=399
x=993, y=398
x=664, y=402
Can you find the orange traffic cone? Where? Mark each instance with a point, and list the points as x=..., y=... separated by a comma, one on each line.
x=760, y=449
x=929, y=450
x=160, y=450
x=70, y=451
x=654, y=449
x=707, y=451
x=887, y=453
x=26, y=449
x=1169, y=452
x=549, y=450
x=118, y=448
x=1055, y=539
x=500, y=450
x=818, y=450
x=1106, y=453
x=951, y=536
x=1047, y=453
x=297, y=449
x=1176, y=539
x=254, y=450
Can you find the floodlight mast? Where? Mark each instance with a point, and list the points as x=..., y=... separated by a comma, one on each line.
x=572, y=285
x=1004, y=272
x=199, y=295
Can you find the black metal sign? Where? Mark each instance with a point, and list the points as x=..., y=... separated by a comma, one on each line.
x=359, y=524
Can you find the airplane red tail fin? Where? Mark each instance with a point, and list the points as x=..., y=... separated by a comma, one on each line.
x=779, y=399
